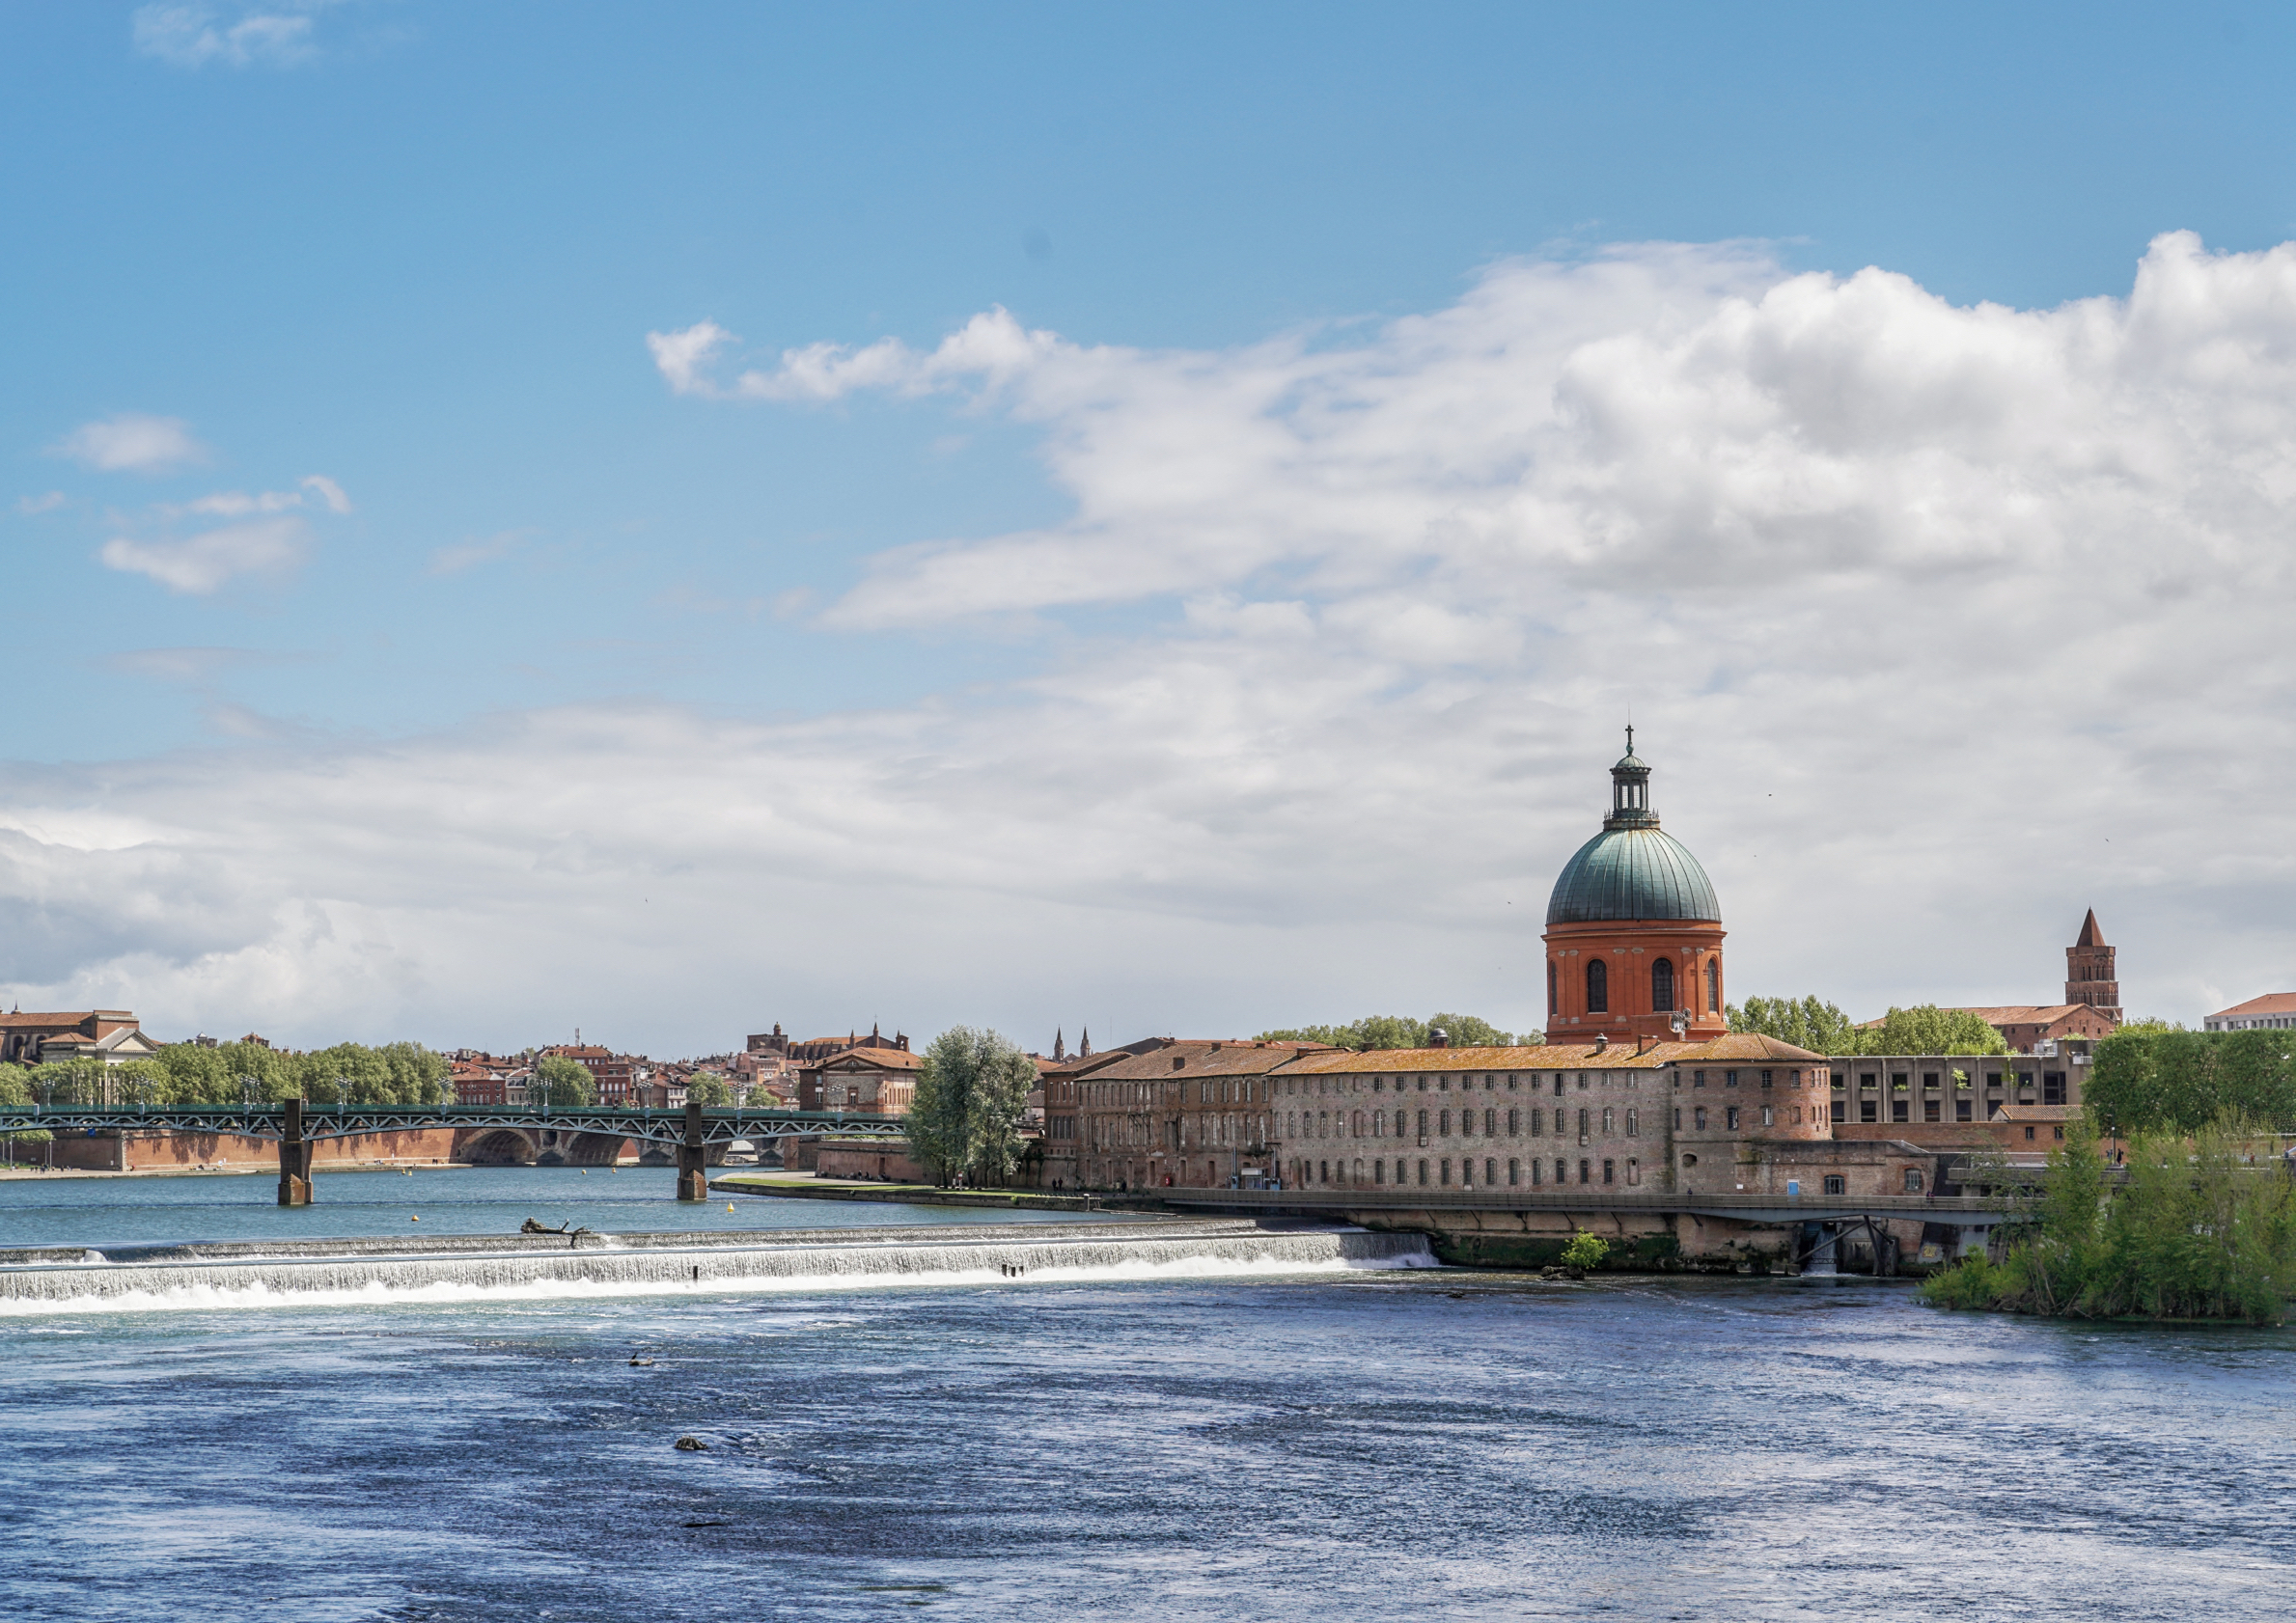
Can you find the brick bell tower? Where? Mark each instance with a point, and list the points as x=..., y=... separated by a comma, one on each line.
x=2090, y=975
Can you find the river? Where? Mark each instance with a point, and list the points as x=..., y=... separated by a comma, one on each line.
x=1431, y=1444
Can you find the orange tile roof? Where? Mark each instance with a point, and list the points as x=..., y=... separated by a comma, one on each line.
x=880, y=1059
x=2006, y=1014
x=1208, y=1056
x=1745, y=1046
x=2271, y=1002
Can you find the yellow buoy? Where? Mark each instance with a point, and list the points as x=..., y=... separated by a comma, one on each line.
x=414, y=1220
x=729, y=1206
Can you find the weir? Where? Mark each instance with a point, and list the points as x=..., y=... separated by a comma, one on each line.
x=314, y=1271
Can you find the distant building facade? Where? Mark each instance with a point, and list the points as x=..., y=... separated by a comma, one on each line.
x=112, y=1035
x=800, y=1052
x=2091, y=1006
x=2274, y=1011
x=861, y=1082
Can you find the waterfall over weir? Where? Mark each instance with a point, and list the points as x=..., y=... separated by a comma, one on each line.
x=241, y=1273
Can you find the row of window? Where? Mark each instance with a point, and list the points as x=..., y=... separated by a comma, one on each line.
x=1597, y=980
x=1438, y=1174
x=1376, y=1124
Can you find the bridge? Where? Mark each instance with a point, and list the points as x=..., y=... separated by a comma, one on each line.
x=298, y=1127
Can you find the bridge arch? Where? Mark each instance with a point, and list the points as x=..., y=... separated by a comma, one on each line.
x=496, y=1147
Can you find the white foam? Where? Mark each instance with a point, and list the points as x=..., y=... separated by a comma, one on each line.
x=630, y=1274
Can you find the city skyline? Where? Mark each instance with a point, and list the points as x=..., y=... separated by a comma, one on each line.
x=951, y=526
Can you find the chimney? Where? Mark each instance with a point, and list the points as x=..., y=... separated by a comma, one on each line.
x=1643, y=1045
x=1438, y=1038
x=1602, y=1042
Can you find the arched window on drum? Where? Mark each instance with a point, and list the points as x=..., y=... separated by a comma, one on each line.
x=1662, y=985
x=1598, y=986
x=1713, y=985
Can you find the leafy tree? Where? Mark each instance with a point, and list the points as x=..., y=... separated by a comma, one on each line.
x=1823, y=1028
x=67, y=1082
x=560, y=1080
x=210, y=1076
x=972, y=1096
x=1402, y=1030
x=1586, y=1251
x=1806, y=1022
x=16, y=1088
x=1930, y=1029
x=708, y=1087
x=2202, y=1227
x=2152, y=1078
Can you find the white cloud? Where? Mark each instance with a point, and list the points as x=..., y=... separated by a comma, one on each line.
x=267, y=544
x=469, y=555
x=990, y=348
x=329, y=493
x=1941, y=625
x=47, y=503
x=201, y=563
x=134, y=442
x=193, y=35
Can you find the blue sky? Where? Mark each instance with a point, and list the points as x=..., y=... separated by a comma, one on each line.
x=415, y=251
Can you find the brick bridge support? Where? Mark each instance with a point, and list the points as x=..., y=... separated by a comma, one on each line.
x=295, y=1159
x=693, y=1165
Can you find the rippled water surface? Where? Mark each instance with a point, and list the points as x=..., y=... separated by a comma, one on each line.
x=1439, y=1444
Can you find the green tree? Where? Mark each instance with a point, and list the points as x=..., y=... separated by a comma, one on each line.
x=1403, y=1030
x=1586, y=1251
x=972, y=1097
x=2200, y=1227
x=15, y=1089
x=1930, y=1029
x=561, y=1082
x=67, y=1082
x=2152, y=1078
x=708, y=1087
x=1804, y=1022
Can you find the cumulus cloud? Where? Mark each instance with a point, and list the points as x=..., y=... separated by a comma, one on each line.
x=201, y=563
x=1942, y=624
x=134, y=442
x=988, y=348
x=193, y=35
x=273, y=537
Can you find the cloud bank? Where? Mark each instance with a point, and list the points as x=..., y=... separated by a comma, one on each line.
x=1940, y=625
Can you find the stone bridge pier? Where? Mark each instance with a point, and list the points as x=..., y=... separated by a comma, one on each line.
x=295, y=1159
x=693, y=1159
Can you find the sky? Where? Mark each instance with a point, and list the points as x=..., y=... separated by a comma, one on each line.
x=665, y=520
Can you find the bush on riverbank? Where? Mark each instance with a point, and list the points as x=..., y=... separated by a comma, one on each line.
x=2199, y=1228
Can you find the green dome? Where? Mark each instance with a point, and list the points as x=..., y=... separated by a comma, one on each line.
x=1641, y=873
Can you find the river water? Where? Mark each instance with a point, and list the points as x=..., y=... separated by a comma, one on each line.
x=1426, y=1443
